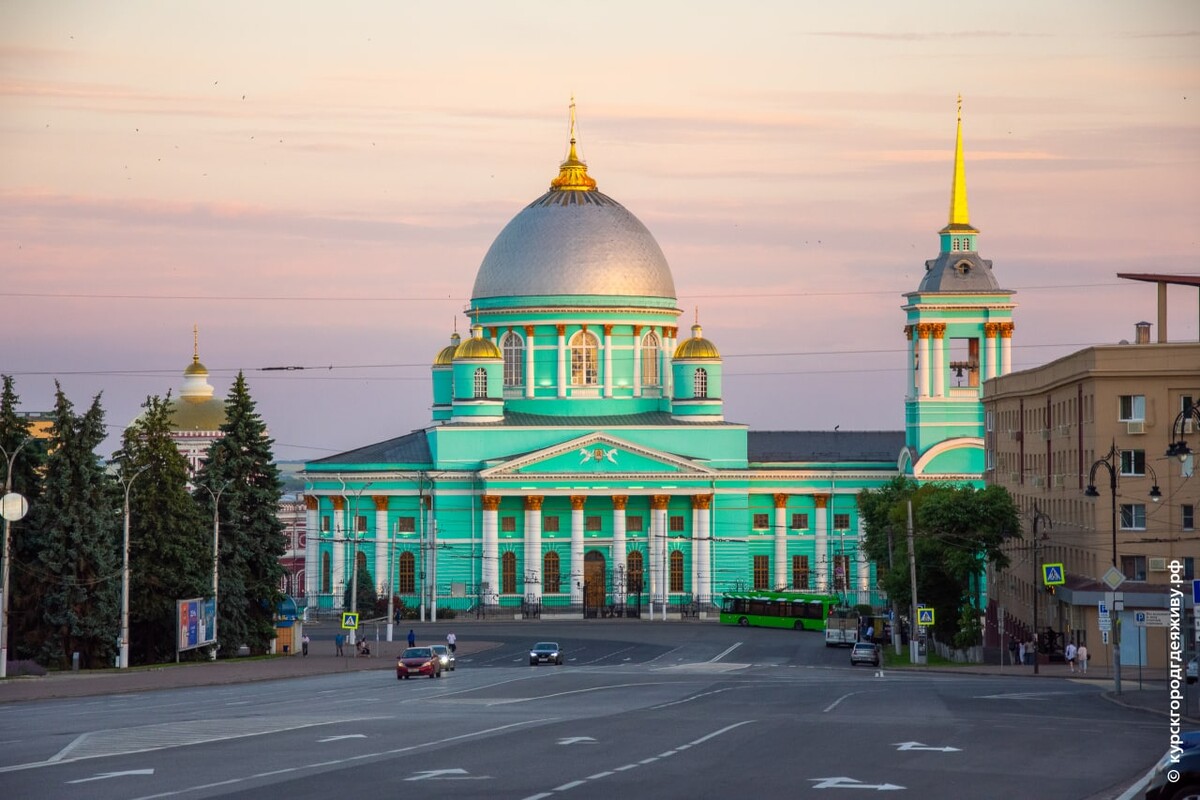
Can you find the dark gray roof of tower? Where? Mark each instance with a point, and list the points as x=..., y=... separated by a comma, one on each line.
x=825, y=446
x=411, y=448
x=959, y=272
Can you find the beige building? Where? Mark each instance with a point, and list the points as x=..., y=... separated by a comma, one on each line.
x=1104, y=417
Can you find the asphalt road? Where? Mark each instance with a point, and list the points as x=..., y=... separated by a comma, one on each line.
x=638, y=710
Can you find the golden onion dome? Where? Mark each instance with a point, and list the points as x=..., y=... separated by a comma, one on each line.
x=195, y=368
x=478, y=347
x=446, y=355
x=697, y=347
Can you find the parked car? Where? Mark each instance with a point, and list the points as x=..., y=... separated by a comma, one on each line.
x=547, y=652
x=445, y=656
x=865, y=653
x=418, y=661
x=1187, y=780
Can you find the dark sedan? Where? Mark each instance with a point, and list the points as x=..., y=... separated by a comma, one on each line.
x=1178, y=779
x=545, y=653
x=418, y=661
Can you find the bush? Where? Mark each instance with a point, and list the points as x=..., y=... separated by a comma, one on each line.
x=19, y=668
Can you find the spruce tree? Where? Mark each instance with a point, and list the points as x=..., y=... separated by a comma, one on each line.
x=72, y=546
x=170, y=542
x=241, y=467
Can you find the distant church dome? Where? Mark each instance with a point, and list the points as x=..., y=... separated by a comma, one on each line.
x=574, y=241
x=446, y=354
x=697, y=347
x=477, y=347
x=196, y=409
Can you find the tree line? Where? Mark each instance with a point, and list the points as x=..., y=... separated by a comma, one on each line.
x=66, y=555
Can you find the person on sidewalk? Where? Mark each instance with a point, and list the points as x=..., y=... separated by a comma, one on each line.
x=338, y=641
x=304, y=645
x=1030, y=652
x=1081, y=655
x=1069, y=654
x=451, y=641
x=1012, y=651
x=412, y=638
x=1021, y=652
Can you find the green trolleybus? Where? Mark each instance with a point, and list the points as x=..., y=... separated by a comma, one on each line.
x=767, y=609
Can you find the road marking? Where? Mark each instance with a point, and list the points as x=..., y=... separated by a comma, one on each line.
x=106, y=775
x=627, y=766
x=446, y=775
x=851, y=783
x=570, y=785
x=693, y=697
x=834, y=704
x=344, y=736
x=599, y=775
x=1018, y=695
x=574, y=691
x=650, y=760
x=577, y=740
x=919, y=746
x=725, y=652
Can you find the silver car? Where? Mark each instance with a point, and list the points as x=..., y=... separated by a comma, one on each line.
x=444, y=655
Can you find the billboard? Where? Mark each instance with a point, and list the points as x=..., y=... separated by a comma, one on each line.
x=197, y=623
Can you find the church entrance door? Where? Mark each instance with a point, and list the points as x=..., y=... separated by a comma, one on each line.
x=594, y=583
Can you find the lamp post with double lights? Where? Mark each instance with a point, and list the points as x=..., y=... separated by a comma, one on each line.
x=216, y=557
x=1038, y=518
x=123, y=658
x=1178, y=448
x=354, y=558
x=14, y=507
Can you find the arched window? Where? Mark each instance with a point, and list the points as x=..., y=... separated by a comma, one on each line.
x=650, y=350
x=514, y=359
x=633, y=567
x=551, y=574
x=481, y=391
x=675, y=578
x=700, y=384
x=407, y=583
x=326, y=574
x=508, y=573
x=584, y=360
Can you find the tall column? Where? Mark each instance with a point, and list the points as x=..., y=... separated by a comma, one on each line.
x=780, y=541
x=939, y=359
x=701, y=548
x=564, y=377
x=923, y=331
x=529, y=382
x=637, y=360
x=577, y=501
x=383, y=539
x=341, y=579
x=619, y=501
x=429, y=557
x=657, y=546
x=490, y=573
x=533, y=547
x=821, y=552
x=864, y=565
x=608, y=376
x=312, y=549
x=665, y=373
x=1006, y=332
x=989, y=350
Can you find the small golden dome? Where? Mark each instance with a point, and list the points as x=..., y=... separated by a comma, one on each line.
x=697, y=347
x=478, y=347
x=572, y=173
x=446, y=355
x=195, y=368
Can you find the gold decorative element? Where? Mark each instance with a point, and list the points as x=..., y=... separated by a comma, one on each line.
x=491, y=502
x=990, y=329
x=562, y=329
x=311, y=502
x=572, y=173
x=446, y=356
x=659, y=502
x=908, y=332
x=608, y=330
x=577, y=501
x=339, y=503
x=697, y=346
x=533, y=502
x=619, y=501
x=781, y=500
x=939, y=330
x=195, y=368
x=702, y=502
x=1006, y=330
x=924, y=329
x=478, y=347
x=637, y=330
x=821, y=500
x=529, y=330
x=381, y=501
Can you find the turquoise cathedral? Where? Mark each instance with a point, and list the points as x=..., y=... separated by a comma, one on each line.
x=579, y=460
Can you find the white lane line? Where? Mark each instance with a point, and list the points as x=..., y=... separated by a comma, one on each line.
x=650, y=760
x=570, y=785
x=626, y=767
x=574, y=691
x=667, y=754
x=726, y=652
x=833, y=705
x=693, y=697
x=599, y=775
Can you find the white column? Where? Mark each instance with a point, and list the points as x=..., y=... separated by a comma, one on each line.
x=637, y=360
x=608, y=376
x=529, y=383
x=911, y=336
x=989, y=351
x=577, y=502
x=821, y=553
x=619, y=548
x=533, y=547
x=341, y=578
x=864, y=565
x=1006, y=348
x=312, y=550
x=491, y=548
x=701, y=549
x=780, y=541
x=382, y=536
x=563, y=376
x=923, y=363
x=939, y=361
x=665, y=357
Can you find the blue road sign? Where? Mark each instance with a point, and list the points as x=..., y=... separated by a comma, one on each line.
x=924, y=616
x=1196, y=591
x=1052, y=574
x=350, y=620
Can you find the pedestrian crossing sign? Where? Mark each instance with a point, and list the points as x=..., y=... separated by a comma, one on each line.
x=350, y=620
x=924, y=616
x=1053, y=574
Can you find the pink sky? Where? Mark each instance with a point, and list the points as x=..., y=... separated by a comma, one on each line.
x=317, y=186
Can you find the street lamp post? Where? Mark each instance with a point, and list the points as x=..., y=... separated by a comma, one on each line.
x=21, y=506
x=123, y=662
x=1038, y=517
x=1179, y=448
x=354, y=559
x=216, y=558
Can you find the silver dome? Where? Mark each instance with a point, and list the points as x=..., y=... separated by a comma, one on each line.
x=574, y=243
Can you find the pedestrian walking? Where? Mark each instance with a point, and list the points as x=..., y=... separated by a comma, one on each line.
x=1070, y=654
x=1082, y=656
x=1012, y=651
x=304, y=645
x=451, y=641
x=412, y=638
x=338, y=641
x=1030, y=652
x=1021, y=652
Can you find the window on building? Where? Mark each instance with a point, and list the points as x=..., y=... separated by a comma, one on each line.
x=325, y=524
x=841, y=522
x=800, y=522
x=551, y=573
x=762, y=572
x=360, y=523
x=700, y=384
x=675, y=523
x=508, y=524
x=1189, y=568
x=633, y=567
x=592, y=523
x=650, y=350
x=1187, y=517
x=406, y=525
x=508, y=573
x=799, y=572
x=633, y=524
x=841, y=573
x=481, y=384
x=550, y=524
x=514, y=359
x=1134, y=567
x=762, y=522
x=1133, y=462
x=1133, y=407
x=1133, y=516
x=326, y=574
x=407, y=583
x=675, y=572
x=584, y=361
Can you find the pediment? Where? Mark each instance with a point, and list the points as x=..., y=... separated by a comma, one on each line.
x=596, y=454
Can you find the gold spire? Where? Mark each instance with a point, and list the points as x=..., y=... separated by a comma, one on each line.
x=195, y=344
x=572, y=173
x=958, y=190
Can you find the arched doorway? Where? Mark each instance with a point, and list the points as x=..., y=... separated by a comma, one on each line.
x=595, y=581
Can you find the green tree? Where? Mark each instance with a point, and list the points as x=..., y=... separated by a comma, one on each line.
x=71, y=547
x=170, y=542
x=240, y=466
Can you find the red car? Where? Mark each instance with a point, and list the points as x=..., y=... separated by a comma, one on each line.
x=418, y=661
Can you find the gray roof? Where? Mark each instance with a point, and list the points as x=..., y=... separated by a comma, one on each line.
x=411, y=448
x=574, y=243
x=826, y=446
x=959, y=272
